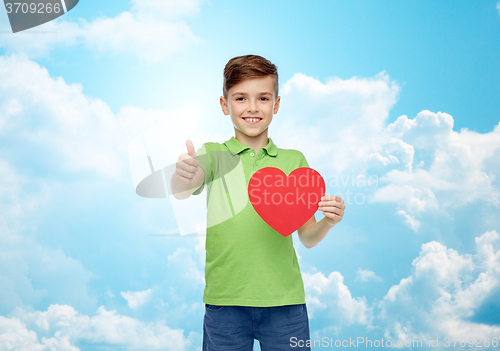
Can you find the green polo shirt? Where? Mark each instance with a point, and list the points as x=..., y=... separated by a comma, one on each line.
x=248, y=263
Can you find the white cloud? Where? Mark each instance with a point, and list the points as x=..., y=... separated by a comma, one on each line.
x=421, y=164
x=410, y=220
x=136, y=299
x=47, y=120
x=350, y=113
x=329, y=298
x=46, y=37
x=63, y=327
x=55, y=131
x=31, y=273
x=15, y=336
x=174, y=293
x=74, y=133
x=69, y=131
x=498, y=8
x=461, y=167
x=152, y=30
x=326, y=296
x=444, y=293
x=150, y=39
x=365, y=275
x=182, y=262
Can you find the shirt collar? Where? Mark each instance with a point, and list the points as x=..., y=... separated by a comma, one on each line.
x=236, y=146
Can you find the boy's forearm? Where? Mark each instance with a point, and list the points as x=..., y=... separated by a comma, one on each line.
x=181, y=190
x=314, y=233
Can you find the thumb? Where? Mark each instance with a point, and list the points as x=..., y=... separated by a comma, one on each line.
x=190, y=148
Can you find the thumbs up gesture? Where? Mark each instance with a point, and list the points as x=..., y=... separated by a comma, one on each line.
x=187, y=165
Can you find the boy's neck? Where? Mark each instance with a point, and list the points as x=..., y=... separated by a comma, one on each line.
x=255, y=143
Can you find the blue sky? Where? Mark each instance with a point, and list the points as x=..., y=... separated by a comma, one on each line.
x=403, y=92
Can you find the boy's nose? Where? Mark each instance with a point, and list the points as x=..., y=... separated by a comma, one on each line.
x=252, y=106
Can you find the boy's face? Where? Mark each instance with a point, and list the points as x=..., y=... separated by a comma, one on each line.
x=252, y=97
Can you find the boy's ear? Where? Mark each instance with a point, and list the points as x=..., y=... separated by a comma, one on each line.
x=277, y=105
x=223, y=105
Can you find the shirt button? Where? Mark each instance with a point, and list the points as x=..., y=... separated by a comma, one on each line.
x=252, y=154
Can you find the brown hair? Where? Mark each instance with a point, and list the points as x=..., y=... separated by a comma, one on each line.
x=246, y=67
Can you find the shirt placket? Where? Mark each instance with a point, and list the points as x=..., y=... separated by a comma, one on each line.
x=254, y=160
x=257, y=162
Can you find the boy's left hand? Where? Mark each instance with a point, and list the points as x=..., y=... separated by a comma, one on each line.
x=333, y=208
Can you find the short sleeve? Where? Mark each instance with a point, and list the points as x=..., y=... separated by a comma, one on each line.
x=203, y=158
x=303, y=161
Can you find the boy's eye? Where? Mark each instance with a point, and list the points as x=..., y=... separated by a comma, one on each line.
x=241, y=98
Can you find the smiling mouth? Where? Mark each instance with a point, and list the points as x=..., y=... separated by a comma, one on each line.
x=252, y=120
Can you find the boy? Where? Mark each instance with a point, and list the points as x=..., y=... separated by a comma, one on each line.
x=254, y=288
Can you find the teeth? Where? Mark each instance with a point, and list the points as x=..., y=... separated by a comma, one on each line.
x=252, y=119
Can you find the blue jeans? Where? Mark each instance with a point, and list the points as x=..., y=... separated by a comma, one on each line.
x=234, y=328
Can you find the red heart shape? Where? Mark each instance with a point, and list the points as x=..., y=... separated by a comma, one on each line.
x=286, y=203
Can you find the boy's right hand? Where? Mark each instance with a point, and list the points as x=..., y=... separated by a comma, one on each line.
x=187, y=165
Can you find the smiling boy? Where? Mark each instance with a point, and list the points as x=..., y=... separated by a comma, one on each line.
x=254, y=288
